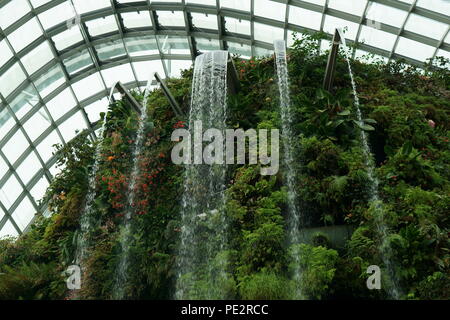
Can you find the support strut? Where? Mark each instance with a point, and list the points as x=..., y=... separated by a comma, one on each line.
x=331, y=65
x=173, y=103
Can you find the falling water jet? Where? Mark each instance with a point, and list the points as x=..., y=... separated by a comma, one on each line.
x=87, y=219
x=200, y=263
x=382, y=228
x=120, y=291
x=295, y=215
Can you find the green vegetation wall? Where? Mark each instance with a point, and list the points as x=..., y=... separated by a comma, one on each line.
x=408, y=114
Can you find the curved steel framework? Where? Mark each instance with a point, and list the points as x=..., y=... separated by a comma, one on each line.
x=59, y=58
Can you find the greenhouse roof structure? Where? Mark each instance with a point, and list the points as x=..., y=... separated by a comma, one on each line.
x=59, y=59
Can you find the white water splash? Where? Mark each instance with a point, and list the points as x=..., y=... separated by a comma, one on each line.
x=382, y=228
x=200, y=265
x=290, y=176
x=126, y=237
x=87, y=220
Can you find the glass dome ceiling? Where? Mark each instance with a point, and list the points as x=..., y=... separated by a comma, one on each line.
x=59, y=58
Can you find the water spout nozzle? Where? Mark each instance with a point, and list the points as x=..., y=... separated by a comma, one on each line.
x=340, y=37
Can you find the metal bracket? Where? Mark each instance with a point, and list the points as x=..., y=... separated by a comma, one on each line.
x=232, y=78
x=331, y=65
x=173, y=103
x=124, y=92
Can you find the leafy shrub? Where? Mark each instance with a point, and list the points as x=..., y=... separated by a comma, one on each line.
x=264, y=286
x=435, y=287
x=31, y=282
x=317, y=268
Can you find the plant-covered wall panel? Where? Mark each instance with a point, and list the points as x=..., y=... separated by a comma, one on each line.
x=406, y=112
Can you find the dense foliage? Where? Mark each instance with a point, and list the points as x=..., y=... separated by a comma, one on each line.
x=407, y=113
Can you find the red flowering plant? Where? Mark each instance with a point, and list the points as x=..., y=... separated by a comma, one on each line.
x=114, y=183
x=115, y=171
x=151, y=165
x=179, y=125
x=113, y=177
x=242, y=66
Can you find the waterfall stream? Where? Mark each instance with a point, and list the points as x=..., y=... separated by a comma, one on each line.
x=382, y=228
x=200, y=262
x=290, y=175
x=126, y=236
x=86, y=219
